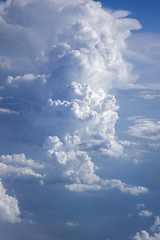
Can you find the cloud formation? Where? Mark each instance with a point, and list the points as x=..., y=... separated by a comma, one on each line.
x=145, y=128
x=144, y=235
x=18, y=165
x=76, y=165
x=60, y=60
x=9, y=209
x=145, y=213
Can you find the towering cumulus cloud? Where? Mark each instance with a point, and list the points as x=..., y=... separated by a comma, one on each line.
x=61, y=58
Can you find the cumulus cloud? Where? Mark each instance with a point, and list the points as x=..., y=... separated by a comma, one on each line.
x=95, y=112
x=144, y=235
x=9, y=209
x=78, y=167
x=93, y=38
x=26, y=78
x=65, y=56
x=145, y=128
x=145, y=213
x=18, y=165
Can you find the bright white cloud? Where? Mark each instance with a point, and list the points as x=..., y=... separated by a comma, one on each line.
x=144, y=235
x=9, y=209
x=66, y=56
x=18, y=165
x=79, y=168
x=26, y=78
x=145, y=128
x=92, y=38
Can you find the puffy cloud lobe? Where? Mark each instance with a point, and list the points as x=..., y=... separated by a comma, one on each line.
x=26, y=78
x=9, y=209
x=92, y=38
x=145, y=213
x=79, y=168
x=95, y=112
x=144, y=235
x=74, y=163
x=18, y=165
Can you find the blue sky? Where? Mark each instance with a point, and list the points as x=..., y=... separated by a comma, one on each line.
x=147, y=12
x=79, y=120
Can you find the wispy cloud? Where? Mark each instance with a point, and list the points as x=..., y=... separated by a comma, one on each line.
x=145, y=128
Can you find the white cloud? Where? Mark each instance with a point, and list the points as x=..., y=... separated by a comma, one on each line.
x=18, y=165
x=78, y=167
x=7, y=111
x=156, y=225
x=145, y=213
x=9, y=209
x=144, y=235
x=145, y=128
x=20, y=160
x=92, y=37
x=66, y=56
x=95, y=112
x=72, y=224
x=26, y=78
x=149, y=95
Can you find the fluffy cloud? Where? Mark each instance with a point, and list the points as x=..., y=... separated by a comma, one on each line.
x=145, y=213
x=75, y=165
x=142, y=212
x=18, y=165
x=9, y=209
x=61, y=60
x=145, y=128
x=92, y=38
x=26, y=78
x=95, y=112
x=144, y=235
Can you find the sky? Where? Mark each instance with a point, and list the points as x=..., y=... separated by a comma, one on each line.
x=79, y=120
